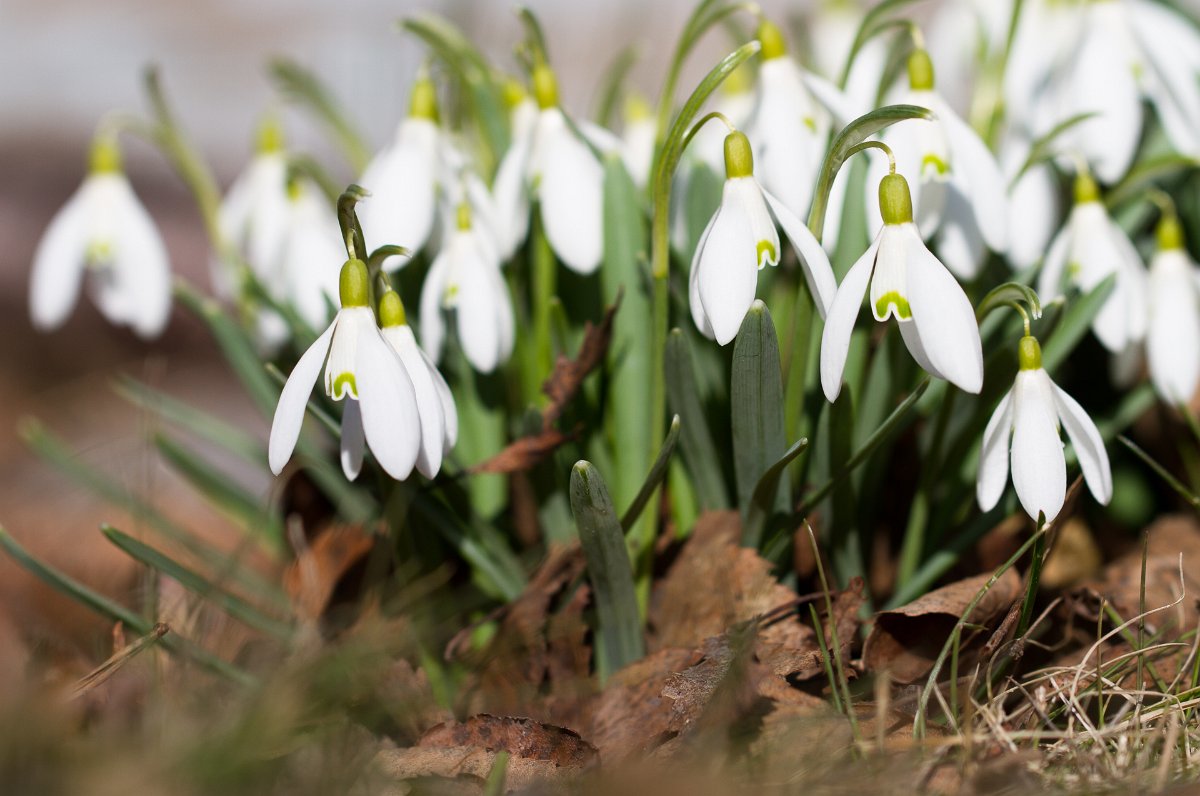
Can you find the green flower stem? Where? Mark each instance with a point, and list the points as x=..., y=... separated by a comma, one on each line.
x=542, y=289
x=1035, y=574
x=913, y=546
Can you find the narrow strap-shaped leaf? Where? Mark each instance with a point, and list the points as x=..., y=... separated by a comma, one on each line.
x=498, y=569
x=116, y=612
x=763, y=502
x=234, y=344
x=193, y=581
x=696, y=442
x=1076, y=320
x=195, y=421
x=298, y=84
x=608, y=568
x=756, y=401
x=846, y=549
x=223, y=491
x=1146, y=172
x=655, y=477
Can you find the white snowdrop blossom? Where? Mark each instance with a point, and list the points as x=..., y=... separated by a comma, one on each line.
x=1173, y=335
x=960, y=197
x=1090, y=248
x=253, y=215
x=1030, y=414
x=311, y=241
x=637, y=140
x=1103, y=58
x=404, y=179
x=1034, y=206
x=906, y=282
x=435, y=404
x=465, y=277
x=380, y=403
x=555, y=166
x=739, y=241
x=791, y=121
x=105, y=233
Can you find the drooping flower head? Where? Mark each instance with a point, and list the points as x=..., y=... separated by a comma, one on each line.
x=104, y=233
x=739, y=241
x=361, y=369
x=908, y=283
x=1173, y=335
x=1030, y=415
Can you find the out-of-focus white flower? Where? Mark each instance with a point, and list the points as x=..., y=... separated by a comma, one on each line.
x=465, y=277
x=304, y=275
x=553, y=164
x=1030, y=415
x=637, y=140
x=961, y=196
x=1173, y=336
x=1102, y=58
x=105, y=232
x=253, y=215
x=1089, y=248
x=435, y=404
x=382, y=410
x=740, y=239
x=404, y=178
x=906, y=281
x=790, y=124
x=963, y=36
x=1034, y=207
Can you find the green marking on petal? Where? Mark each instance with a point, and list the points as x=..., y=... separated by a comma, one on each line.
x=767, y=247
x=939, y=165
x=1073, y=269
x=898, y=303
x=99, y=251
x=346, y=379
x=810, y=123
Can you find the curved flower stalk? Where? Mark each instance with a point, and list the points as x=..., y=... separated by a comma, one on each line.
x=253, y=214
x=1089, y=248
x=466, y=278
x=1102, y=59
x=381, y=410
x=1173, y=335
x=555, y=166
x=961, y=196
x=637, y=140
x=1030, y=415
x=791, y=121
x=906, y=282
x=105, y=232
x=435, y=404
x=404, y=178
x=739, y=241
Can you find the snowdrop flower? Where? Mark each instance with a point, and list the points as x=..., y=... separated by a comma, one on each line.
x=404, y=178
x=105, y=232
x=961, y=196
x=253, y=214
x=637, y=142
x=906, y=282
x=791, y=122
x=1030, y=414
x=381, y=410
x=1089, y=248
x=435, y=404
x=465, y=277
x=508, y=188
x=312, y=240
x=1173, y=336
x=740, y=239
x=557, y=168
x=1034, y=207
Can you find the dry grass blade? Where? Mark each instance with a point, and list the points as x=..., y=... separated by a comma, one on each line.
x=104, y=671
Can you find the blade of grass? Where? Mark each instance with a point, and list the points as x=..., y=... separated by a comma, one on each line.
x=304, y=87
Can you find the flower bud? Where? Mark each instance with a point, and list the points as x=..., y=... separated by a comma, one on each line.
x=773, y=43
x=1169, y=233
x=545, y=87
x=423, y=102
x=391, y=310
x=1029, y=354
x=739, y=157
x=895, y=200
x=1086, y=189
x=920, y=71
x=269, y=139
x=105, y=156
x=353, y=284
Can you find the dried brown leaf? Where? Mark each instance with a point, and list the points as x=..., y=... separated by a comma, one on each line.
x=313, y=577
x=520, y=737
x=524, y=453
x=906, y=640
x=568, y=374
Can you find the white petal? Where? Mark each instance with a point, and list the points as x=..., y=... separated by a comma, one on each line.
x=813, y=261
x=429, y=404
x=835, y=339
x=140, y=267
x=289, y=412
x=1170, y=46
x=58, y=264
x=944, y=318
x=1039, y=468
x=986, y=188
x=1054, y=267
x=512, y=196
x=912, y=341
x=727, y=270
x=787, y=131
x=484, y=312
x=1089, y=447
x=433, y=325
x=694, y=303
x=402, y=180
x=1173, y=338
x=1033, y=216
x=571, y=197
x=354, y=443
x=960, y=243
x=389, y=406
x=993, y=454
x=449, y=408
x=842, y=107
